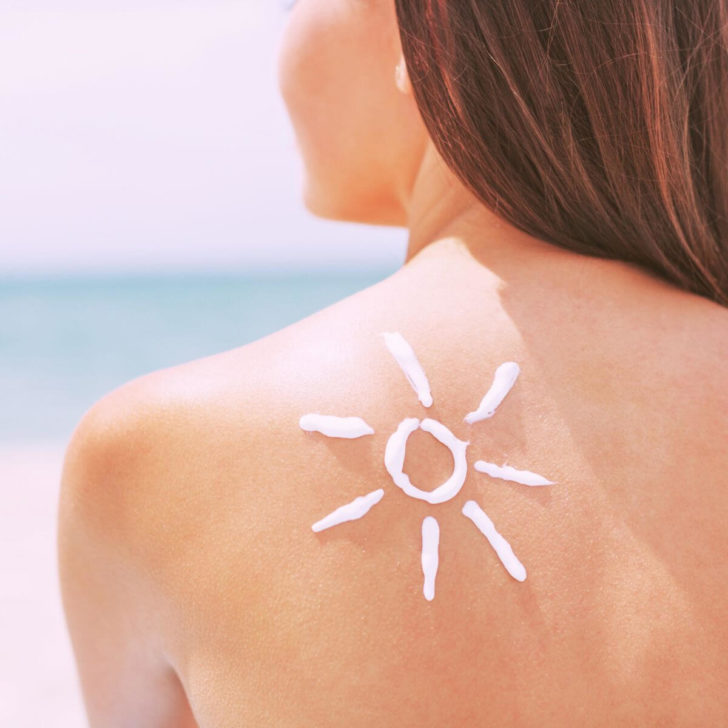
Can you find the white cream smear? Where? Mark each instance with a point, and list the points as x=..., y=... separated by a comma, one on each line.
x=331, y=426
x=405, y=357
x=394, y=455
x=506, y=472
x=503, y=381
x=394, y=459
x=430, y=560
x=351, y=511
x=502, y=548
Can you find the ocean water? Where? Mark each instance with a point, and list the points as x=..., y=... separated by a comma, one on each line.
x=64, y=342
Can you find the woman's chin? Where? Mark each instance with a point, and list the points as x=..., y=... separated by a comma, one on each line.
x=332, y=205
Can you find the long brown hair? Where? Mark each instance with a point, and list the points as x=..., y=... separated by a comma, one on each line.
x=599, y=126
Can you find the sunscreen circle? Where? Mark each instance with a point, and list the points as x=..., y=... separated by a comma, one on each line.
x=395, y=452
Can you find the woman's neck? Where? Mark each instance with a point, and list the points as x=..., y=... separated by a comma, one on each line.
x=441, y=207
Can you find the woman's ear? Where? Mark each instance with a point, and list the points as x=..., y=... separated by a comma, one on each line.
x=401, y=77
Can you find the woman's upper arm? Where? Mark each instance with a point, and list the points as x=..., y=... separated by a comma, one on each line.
x=113, y=624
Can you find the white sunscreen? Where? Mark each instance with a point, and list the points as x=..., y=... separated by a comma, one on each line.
x=430, y=544
x=351, y=511
x=331, y=426
x=506, y=472
x=504, y=378
x=405, y=357
x=394, y=454
x=505, y=553
x=503, y=381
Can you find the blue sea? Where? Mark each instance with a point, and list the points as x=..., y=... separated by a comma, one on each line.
x=64, y=342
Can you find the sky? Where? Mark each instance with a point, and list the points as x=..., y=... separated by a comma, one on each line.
x=150, y=136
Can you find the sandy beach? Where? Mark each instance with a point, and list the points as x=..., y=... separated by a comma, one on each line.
x=38, y=685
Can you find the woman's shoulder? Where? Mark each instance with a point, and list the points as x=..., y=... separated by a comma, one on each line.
x=203, y=471
x=637, y=363
x=176, y=429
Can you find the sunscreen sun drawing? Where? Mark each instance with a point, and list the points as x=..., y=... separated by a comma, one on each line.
x=394, y=455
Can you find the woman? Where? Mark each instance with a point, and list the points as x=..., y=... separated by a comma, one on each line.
x=561, y=168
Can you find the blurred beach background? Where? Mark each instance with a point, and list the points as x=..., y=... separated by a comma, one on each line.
x=150, y=214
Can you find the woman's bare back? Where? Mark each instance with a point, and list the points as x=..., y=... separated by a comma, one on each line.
x=196, y=489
